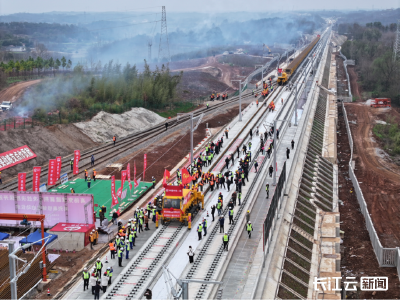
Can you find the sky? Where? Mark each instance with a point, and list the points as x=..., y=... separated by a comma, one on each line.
x=40, y=6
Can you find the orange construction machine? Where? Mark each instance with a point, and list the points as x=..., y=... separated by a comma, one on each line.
x=381, y=102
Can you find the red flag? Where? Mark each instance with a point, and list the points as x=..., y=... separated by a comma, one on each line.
x=279, y=70
x=58, y=167
x=123, y=175
x=144, y=165
x=186, y=178
x=36, y=178
x=77, y=157
x=137, y=183
x=128, y=173
x=113, y=195
x=51, y=179
x=167, y=174
x=22, y=182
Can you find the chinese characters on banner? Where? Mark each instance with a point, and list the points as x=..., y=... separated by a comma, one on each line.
x=15, y=156
x=51, y=179
x=77, y=157
x=36, y=178
x=186, y=178
x=144, y=165
x=58, y=167
x=128, y=173
x=119, y=192
x=21, y=182
x=113, y=195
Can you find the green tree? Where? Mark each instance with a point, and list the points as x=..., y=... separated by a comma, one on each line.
x=63, y=62
x=57, y=64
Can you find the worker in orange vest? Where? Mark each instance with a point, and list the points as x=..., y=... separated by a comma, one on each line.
x=112, y=250
x=86, y=175
x=114, y=139
x=94, y=175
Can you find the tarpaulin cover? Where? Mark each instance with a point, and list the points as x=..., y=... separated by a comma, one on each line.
x=36, y=236
x=3, y=236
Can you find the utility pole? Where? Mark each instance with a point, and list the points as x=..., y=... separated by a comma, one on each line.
x=149, y=44
x=163, y=50
x=396, y=47
x=13, y=273
x=192, y=129
x=240, y=99
x=262, y=75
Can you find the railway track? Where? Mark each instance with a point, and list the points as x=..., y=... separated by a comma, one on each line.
x=107, y=151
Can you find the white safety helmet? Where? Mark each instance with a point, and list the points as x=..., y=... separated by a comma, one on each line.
x=249, y=222
x=122, y=248
x=122, y=238
x=98, y=259
x=199, y=223
x=226, y=232
x=85, y=269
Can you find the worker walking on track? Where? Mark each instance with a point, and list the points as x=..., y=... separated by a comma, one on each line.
x=225, y=239
x=267, y=190
x=89, y=181
x=94, y=175
x=71, y=163
x=249, y=228
x=205, y=226
x=86, y=175
x=271, y=170
x=99, y=266
x=112, y=250
x=92, y=160
x=153, y=180
x=287, y=153
x=85, y=276
x=104, y=282
x=114, y=139
x=93, y=281
x=231, y=216
x=292, y=144
x=199, y=231
x=120, y=252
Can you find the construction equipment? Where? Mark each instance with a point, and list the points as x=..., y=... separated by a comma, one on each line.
x=269, y=50
x=284, y=76
x=178, y=203
x=381, y=102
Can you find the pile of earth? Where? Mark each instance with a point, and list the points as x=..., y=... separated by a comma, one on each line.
x=104, y=125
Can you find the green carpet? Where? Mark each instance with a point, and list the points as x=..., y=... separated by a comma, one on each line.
x=101, y=191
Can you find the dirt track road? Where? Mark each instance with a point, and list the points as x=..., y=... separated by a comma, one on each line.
x=15, y=91
x=379, y=179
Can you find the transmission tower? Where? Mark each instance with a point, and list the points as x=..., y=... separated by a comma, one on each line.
x=149, y=44
x=396, y=47
x=163, y=51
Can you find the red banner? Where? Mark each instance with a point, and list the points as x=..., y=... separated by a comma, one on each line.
x=173, y=190
x=128, y=173
x=144, y=165
x=77, y=157
x=113, y=195
x=15, y=156
x=36, y=178
x=51, y=179
x=123, y=175
x=166, y=176
x=58, y=167
x=21, y=182
x=279, y=70
x=186, y=178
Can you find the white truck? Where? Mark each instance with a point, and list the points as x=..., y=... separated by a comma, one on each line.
x=6, y=105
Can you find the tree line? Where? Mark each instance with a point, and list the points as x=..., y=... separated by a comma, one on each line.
x=39, y=63
x=79, y=95
x=371, y=47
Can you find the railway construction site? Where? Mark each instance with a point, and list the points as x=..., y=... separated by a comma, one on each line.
x=297, y=172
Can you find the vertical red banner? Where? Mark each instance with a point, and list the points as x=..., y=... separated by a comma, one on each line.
x=51, y=178
x=128, y=173
x=58, y=167
x=123, y=175
x=22, y=182
x=36, y=178
x=113, y=195
x=144, y=165
x=77, y=157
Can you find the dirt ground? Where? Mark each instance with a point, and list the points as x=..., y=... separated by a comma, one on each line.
x=379, y=177
x=220, y=79
x=46, y=142
x=14, y=92
x=357, y=255
x=355, y=88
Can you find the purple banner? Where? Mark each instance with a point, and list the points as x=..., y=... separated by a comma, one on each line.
x=54, y=207
x=7, y=205
x=28, y=203
x=76, y=204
